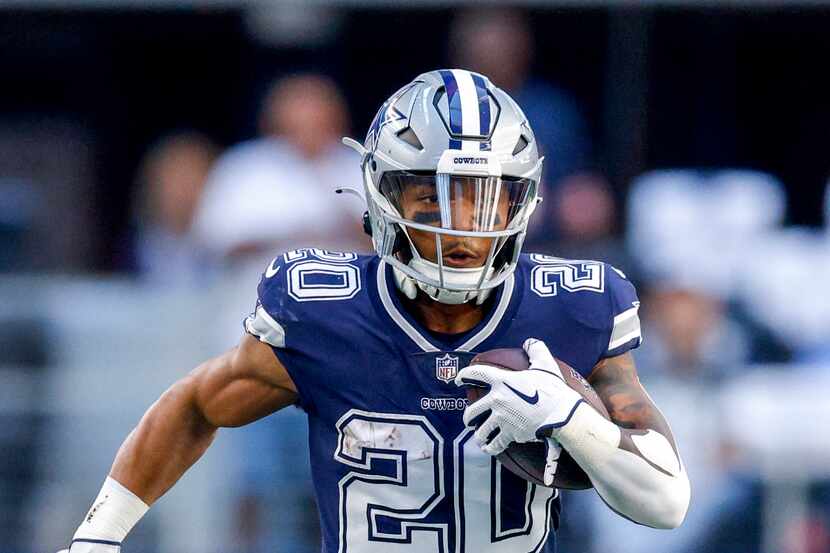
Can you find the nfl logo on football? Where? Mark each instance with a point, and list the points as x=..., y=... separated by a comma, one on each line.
x=446, y=368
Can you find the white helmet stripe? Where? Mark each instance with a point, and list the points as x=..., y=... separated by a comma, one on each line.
x=470, y=117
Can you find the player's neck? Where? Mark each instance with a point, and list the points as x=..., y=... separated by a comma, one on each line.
x=444, y=318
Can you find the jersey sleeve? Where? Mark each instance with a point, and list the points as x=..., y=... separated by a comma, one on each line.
x=624, y=332
x=276, y=323
x=309, y=311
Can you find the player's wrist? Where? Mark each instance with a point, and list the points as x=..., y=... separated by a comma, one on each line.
x=113, y=514
x=565, y=403
x=587, y=433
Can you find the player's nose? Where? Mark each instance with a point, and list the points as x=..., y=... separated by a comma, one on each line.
x=464, y=215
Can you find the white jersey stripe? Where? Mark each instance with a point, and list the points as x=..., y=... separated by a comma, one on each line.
x=386, y=299
x=264, y=327
x=494, y=321
x=423, y=342
x=626, y=328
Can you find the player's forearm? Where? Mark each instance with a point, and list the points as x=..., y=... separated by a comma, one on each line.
x=637, y=473
x=171, y=437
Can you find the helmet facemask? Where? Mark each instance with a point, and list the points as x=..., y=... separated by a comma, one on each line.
x=462, y=233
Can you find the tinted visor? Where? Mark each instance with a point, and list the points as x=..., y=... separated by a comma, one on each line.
x=464, y=203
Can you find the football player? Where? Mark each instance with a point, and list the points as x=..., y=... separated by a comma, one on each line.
x=375, y=350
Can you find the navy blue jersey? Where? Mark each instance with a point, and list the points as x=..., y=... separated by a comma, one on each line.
x=393, y=466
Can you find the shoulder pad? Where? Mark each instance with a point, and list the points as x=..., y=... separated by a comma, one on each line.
x=595, y=294
x=292, y=280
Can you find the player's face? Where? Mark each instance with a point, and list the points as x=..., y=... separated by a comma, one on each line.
x=419, y=203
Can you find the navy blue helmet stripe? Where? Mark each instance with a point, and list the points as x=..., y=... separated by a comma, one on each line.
x=454, y=105
x=483, y=109
x=483, y=105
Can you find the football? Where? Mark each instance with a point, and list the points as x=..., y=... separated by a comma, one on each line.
x=528, y=460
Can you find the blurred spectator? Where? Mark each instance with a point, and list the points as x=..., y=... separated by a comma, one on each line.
x=265, y=196
x=691, y=336
x=690, y=345
x=171, y=180
x=498, y=42
x=721, y=231
x=780, y=290
x=584, y=212
x=703, y=228
x=276, y=192
x=47, y=178
x=810, y=534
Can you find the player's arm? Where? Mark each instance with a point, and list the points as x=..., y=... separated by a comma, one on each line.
x=236, y=388
x=632, y=460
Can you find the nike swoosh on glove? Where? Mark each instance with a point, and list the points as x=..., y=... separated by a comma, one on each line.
x=521, y=405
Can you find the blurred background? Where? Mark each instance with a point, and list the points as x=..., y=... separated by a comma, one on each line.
x=154, y=155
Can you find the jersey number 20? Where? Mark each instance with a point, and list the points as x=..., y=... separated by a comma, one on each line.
x=398, y=478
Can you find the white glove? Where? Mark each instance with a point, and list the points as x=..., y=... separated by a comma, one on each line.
x=521, y=405
x=92, y=545
x=552, y=452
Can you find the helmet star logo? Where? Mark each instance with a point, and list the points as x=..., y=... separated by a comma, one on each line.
x=383, y=118
x=388, y=113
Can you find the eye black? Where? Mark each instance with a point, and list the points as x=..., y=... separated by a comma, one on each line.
x=426, y=217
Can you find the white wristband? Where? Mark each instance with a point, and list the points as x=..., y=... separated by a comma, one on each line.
x=113, y=514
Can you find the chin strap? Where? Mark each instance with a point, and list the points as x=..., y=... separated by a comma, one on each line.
x=409, y=287
x=405, y=284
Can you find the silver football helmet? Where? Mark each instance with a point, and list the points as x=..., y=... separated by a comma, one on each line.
x=450, y=157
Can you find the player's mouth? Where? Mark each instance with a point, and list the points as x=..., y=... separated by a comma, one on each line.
x=461, y=258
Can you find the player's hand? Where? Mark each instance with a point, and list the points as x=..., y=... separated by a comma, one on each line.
x=92, y=546
x=521, y=406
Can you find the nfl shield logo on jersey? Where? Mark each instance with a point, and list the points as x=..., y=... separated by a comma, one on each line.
x=446, y=368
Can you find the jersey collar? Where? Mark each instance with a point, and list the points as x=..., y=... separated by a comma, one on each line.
x=409, y=326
